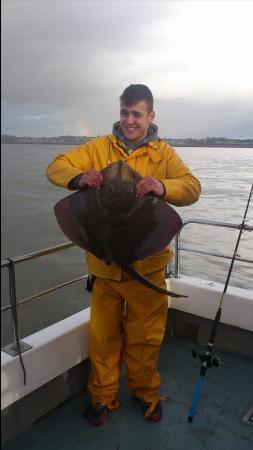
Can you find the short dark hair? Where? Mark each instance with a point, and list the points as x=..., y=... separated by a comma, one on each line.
x=136, y=93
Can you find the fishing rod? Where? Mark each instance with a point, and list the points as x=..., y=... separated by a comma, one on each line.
x=207, y=359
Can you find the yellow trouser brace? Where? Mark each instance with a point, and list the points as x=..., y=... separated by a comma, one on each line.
x=127, y=322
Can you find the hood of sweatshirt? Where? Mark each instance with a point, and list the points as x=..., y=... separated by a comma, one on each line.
x=152, y=135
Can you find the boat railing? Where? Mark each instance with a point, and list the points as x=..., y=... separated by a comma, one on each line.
x=179, y=248
x=10, y=264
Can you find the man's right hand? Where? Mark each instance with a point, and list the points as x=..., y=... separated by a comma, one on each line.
x=91, y=178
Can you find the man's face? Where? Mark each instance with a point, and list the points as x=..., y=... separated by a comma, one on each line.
x=135, y=121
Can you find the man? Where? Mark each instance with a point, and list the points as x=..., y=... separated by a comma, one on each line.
x=127, y=319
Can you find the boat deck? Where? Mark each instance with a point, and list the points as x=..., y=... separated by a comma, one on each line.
x=226, y=396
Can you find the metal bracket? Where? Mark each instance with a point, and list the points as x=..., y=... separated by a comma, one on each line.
x=12, y=349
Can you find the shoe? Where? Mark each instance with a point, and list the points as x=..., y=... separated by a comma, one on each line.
x=97, y=414
x=156, y=415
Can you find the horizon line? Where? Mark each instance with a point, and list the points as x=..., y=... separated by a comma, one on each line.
x=86, y=136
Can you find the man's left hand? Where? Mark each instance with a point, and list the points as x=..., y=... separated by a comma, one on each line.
x=149, y=185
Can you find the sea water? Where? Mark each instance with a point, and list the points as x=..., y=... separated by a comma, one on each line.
x=29, y=225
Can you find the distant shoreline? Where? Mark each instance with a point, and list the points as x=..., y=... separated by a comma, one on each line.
x=172, y=145
x=78, y=140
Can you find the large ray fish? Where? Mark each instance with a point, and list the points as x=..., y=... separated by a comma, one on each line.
x=115, y=225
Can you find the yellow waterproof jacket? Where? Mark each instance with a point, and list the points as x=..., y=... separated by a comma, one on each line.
x=156, y=159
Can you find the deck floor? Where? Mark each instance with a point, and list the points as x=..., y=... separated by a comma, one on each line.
x=226, y=395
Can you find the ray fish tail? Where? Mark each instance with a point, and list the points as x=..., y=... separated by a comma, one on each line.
x=133, y=273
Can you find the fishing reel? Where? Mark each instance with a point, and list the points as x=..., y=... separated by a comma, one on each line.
x=207, y=360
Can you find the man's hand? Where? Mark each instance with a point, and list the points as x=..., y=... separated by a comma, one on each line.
x=91, y=178
x=149, y=185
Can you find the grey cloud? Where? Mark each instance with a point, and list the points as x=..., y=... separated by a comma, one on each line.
x=178, y=118
x=65, y=63
x=57, y=52
x=188, y=118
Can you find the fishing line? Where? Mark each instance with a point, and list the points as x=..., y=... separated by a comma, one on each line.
x=12, y=290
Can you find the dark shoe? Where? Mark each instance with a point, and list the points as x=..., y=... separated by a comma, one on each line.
x=96, y=414
x=156, y=415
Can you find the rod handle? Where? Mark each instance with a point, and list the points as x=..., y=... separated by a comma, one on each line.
x=195, y=399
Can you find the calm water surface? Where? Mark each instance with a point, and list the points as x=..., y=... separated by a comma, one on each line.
x=28, y=224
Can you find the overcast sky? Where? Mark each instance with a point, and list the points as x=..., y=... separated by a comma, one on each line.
x=66, y=62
